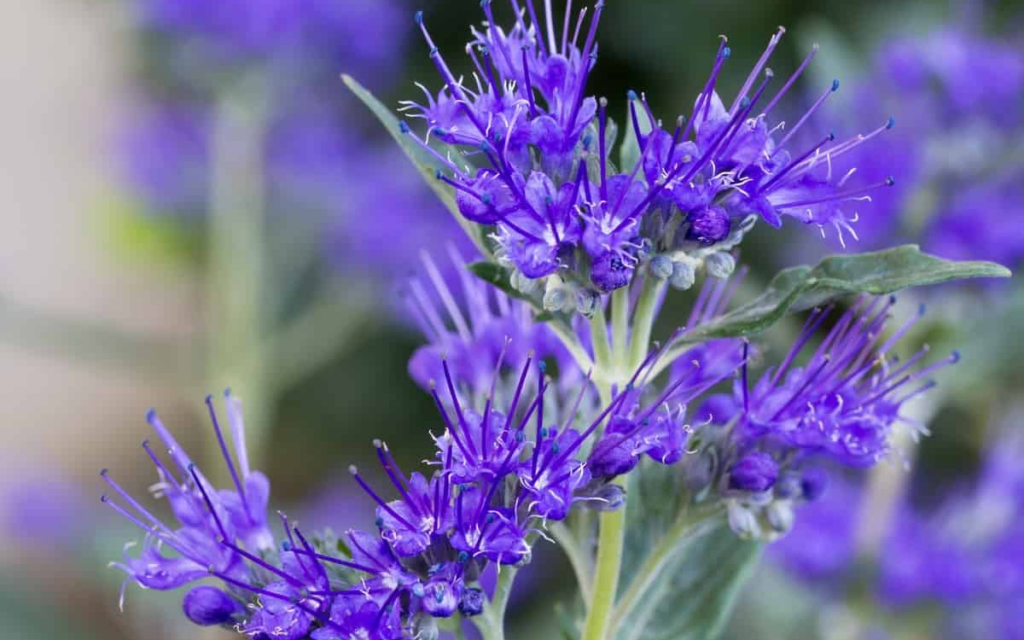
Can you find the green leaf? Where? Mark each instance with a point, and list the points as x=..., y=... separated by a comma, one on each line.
x=804, y=287
x=685, y=568
x=424, y=161
x=495, y=275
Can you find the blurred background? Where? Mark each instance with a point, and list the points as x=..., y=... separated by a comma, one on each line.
x=192, y=200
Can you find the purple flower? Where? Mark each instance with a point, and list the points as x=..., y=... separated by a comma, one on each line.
x=319, y=30
x=477, y=329
x=959, y=191
x=222, y=534
x=845, y=401
x=209, y=606
x=526, y=152
x=755, y=472
x=374, y=209
x=821, y=546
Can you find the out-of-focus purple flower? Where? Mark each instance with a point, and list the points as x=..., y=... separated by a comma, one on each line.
x=372, y=207
x=821, y=543
x=956, y=153
x=476, y=328
x=966, y=553
x=46, y=512
x=322, y=31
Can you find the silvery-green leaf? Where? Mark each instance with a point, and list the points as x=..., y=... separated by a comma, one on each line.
x=876, y=272
x=682, y=570
x=424, y=161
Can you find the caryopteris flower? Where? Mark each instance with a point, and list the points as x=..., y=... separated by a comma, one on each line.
x=526, y=152
x=265, y=590
x=842, y=405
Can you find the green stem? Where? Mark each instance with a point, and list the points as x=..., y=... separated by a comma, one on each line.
x=606, y=580
x=643, y=320
x=687, y=526
x=577, y=559
x=599, y=339
x=492, y=620
x=236, y=269
x=572, y=344
x=620, y=326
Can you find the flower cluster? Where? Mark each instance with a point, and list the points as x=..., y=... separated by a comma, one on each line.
x=958, y=161
x=841, y=406
x=527, y=154
x=497, y=482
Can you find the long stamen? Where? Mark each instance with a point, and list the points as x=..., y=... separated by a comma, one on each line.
x=789, y=167
x=792, y=78
x=602, y=120
x=746, y=110
x=105, y=474
x=458, y=406
x=449, y=425
x=809, y=113
x=376, y=498
x=209, y=503
x=529, y=84
x=384, y=456
x=762, y=61
x=852, y=193
x=227, y=457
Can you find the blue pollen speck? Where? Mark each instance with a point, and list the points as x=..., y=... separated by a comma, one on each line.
x=463, y=557
x=379, y=522
x=434, y=51
x=891, y=123
x=835, y=85
x=955, y=356
x=417, y=590
x=151, y=415
x=543, y=366
x=631, y=94
x=286, y=546
x=890, y=181
x=418, y=17
x=520, y=436
x=403, y=127
x=726, y=52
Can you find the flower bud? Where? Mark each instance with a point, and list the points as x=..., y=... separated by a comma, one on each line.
x=780, y=516
x=743, y=521
x=755, y=472
x=472, y=602
x=587, y=301
x=208, y=606
x=660, y=267
x=526, y=286
x=683, y=275
x=708, y=226
x=555, y=299
x=720, y=265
